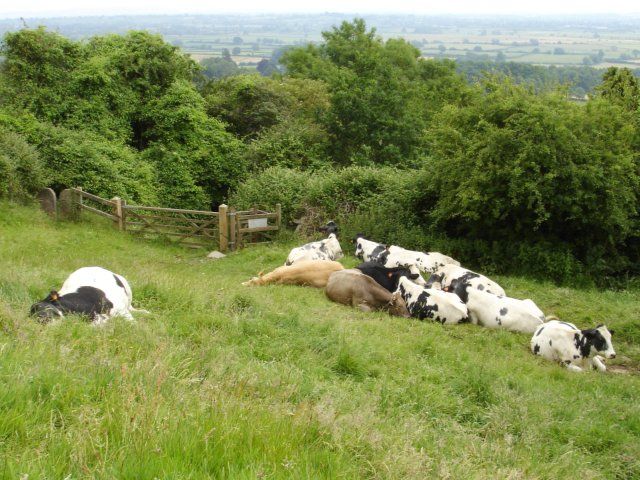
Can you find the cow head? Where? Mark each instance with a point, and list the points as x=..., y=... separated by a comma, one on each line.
x=397, y=306
x=397, y=273
x=330, y=227
x=332, y=245
x=599, y=339
x=435, y=281
x=48, y=308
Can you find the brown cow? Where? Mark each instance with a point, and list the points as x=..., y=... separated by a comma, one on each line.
x=314, y=273
x=352, y=287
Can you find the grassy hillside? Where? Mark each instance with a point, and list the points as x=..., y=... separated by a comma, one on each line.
x=226, y=381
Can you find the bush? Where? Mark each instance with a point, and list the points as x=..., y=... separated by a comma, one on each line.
x=22, y=172
x=516, y=167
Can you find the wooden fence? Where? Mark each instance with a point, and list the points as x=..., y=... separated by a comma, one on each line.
x=227, y=228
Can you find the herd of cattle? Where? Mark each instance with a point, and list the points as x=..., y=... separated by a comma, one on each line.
x=390, y=279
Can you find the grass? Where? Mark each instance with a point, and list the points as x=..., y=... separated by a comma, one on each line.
x=225, y=381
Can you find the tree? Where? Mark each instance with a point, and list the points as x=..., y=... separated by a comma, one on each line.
x=236, y=50
x=266, y=67
x=621, y=87
x=382, y=93
x=213, y=67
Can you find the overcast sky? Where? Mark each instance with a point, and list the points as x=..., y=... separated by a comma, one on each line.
x=48, y=8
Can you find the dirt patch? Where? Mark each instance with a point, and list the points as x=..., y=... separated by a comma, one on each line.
x=624, y=369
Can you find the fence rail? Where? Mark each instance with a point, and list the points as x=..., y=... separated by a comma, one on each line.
x=228, y=228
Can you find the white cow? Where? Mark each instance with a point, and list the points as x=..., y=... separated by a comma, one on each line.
x=574, y=348
x=394, y=256
x=93, y=291
x=327, y=249
x=438, y=305
x=456, y=279
x=492, y=311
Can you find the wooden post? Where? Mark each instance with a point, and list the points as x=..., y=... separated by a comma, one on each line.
x=118, y=212
x=232, y=228
x=278, y=216
x=223, y=227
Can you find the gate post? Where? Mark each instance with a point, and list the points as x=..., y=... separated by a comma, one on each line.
x=118, y=212
x=233, y=225
x=223, y=227
x=278, y=216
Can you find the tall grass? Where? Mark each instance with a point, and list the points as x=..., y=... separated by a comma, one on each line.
x=225, y=381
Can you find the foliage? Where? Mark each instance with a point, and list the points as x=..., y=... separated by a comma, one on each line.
x=382, y=93
x=516, y=166
x=22, y=172
x=219, y=67
x=621, y=87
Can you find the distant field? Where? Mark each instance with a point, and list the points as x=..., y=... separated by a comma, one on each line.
x=521, y=39
x=226, y=381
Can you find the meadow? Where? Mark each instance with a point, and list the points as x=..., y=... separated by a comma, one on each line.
x=225, y=381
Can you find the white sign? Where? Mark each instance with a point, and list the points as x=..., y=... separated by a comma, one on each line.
x=257, y=222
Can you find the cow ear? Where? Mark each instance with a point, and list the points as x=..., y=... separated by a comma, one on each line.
x=389, y=274
x=53, y=296
x=611, y=332
x=386, y=247
x=413, y=276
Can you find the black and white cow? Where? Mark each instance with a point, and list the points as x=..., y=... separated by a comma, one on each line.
x=329, y=228
x=92, y=291
x=438, y=305
x=327, y=249
x=394, y=256
x=456, y=279
x=574, y=348
x=494, y=311
x=388, y=277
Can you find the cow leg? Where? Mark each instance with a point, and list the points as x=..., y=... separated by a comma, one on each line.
x=100, y=319
x=364, y=307
x=596, y=362
x=571, y=366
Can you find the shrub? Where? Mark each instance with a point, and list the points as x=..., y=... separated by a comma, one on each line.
x=22, y=173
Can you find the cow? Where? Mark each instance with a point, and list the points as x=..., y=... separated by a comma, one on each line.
x=369, y=251
x=329, y=228
x=456, y=279
x=431, y=303
x=94, y=292
x=574, y=348
x=493, y=311
x=352, y=287
x=314, y=273
x=394, y=256
x=388, y=277
x=327, y=249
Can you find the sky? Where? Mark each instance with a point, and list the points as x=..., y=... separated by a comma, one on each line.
x=51, y=8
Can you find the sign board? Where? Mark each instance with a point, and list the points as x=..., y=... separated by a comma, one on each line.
x=257, y=222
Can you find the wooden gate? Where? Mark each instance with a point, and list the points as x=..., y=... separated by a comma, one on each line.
x=192, y=228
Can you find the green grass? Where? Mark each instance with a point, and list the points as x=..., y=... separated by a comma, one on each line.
x=225, y=381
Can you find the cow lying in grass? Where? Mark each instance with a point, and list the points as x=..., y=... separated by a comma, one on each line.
x=352, y=287
x=314, y=273
x=432, y=303
x=327, y=249
x=456, y=279
x=574, y=348
x=394, y=256
x=91, y=291
x=494, y=311
x=388, y=277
